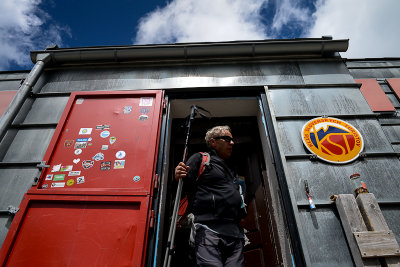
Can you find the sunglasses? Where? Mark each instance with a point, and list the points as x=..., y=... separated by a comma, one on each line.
x=226, y=138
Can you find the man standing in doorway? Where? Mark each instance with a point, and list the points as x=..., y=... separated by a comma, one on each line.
x=216, y=203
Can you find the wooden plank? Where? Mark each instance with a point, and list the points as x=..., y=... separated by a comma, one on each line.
x=374, y=220
x=352, y=221
x=377, y=244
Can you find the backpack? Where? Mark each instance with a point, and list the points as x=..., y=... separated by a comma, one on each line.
x=183, y=205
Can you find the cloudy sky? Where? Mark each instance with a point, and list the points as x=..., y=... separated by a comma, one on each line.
x=25, y=25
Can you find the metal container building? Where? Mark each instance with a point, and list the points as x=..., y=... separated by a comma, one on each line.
x=265, y=90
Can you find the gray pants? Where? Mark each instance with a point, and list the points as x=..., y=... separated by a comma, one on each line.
x=213, y=250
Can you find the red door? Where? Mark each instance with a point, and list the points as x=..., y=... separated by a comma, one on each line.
x=91, y=205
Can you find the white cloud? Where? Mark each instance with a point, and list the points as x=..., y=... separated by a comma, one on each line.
x=372, y=26
x=203, y=21
x=290, y=12
x=22, y=29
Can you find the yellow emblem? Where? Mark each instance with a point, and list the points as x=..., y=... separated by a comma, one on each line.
x=332, y=140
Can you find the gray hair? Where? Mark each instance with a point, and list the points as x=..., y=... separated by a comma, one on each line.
x=215, y=132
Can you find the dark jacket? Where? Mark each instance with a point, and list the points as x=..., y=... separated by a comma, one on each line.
x=215, y=195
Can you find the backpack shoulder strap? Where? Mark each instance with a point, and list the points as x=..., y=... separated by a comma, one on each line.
x=205, y=161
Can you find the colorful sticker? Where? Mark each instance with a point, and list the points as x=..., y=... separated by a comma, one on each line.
x=74, y=173
x=143, y=117
x=80, y=180
x=144, y=110
x=146, y=102
x=59, y=177
x=105, y=134
x=89, y=144
x=78, y=151
x=127, y=109
x=120, y=154
x=80, y=144
x=85, y=131
x=66, y=168
x=119, y=164
x=102, y=127
x=45, y=186
x=99, y=156
x=332, y=140
x=58, y=185
x=136, y=178
x=70, y=182
x=84, y=139
x=79, y=101
x=113, y=139
x=49, y=177
x=56, y=168
x=86, y=164
x=76, y=161
x=68, y=143
x=104, y=147
x=105, y=166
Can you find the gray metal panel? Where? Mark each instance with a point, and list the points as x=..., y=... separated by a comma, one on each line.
x=5, y=223
x=9, y=85
x=325, y=73
x=394, y=100
x=29, y=145
x=396, y=148
x=392, y=132
x=375, y=139
x=325, y=239
x=169, y=77
x=392, y=217
x=372, y=63
x=14, y=184
x=375, y=73
x=46, y=110
x=380, y=174
x=385, y=88
x=319, y=101
x=13, y=76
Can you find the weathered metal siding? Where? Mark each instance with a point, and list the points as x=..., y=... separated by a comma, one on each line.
x=299, y=90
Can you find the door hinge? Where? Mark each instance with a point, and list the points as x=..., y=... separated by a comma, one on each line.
x=156, y=181
x=41, y=168
x=152, y=218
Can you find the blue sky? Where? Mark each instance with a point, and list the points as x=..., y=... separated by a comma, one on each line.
x=25, y=25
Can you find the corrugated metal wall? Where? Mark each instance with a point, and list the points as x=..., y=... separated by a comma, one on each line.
x=298, y=91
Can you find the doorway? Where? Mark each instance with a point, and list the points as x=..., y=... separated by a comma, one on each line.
x=244, y=118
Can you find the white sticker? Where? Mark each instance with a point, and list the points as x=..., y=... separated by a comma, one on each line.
x=74, y=173
x=49, y=177
x=78, y=151
x=120, y=154
x=85, y=131
x=76, y=161
x=79, y=101
x=119, y=164
x=80, y=180
x=104, y=147
x=58, y=185
x=56, y=168
x=105, y=134
x=127, y=109
x=99, y=156
x=146, y=102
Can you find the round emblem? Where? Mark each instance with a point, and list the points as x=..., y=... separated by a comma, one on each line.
x=78, y=151
x=105, y=134
x=136, y=178
x=70, y=182
x=120, y=154
x=332, y=140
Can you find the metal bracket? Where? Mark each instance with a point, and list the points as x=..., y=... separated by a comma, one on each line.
x=41, y=166
x=12, y=210
x=313, y=157
x=363, y=155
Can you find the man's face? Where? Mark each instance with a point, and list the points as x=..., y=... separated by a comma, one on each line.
x=223, y=147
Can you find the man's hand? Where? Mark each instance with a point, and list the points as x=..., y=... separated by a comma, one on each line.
x=181, y=170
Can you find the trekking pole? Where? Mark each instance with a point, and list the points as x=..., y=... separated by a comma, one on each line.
x=171, y=236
